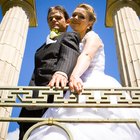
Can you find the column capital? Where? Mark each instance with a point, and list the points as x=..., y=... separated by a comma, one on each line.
x=28, y=6
x=114, y=5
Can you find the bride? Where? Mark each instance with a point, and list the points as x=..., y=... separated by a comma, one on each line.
x=89, y=72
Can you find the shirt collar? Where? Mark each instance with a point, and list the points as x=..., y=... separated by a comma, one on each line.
x=49, y=41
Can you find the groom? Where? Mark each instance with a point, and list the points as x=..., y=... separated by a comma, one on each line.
x=54, y=61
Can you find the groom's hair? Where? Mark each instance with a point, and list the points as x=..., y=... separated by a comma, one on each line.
x=61, y=9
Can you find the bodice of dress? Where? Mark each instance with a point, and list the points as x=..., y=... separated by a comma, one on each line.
x=98, y=62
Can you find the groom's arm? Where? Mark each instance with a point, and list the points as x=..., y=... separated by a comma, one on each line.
x=69, y=52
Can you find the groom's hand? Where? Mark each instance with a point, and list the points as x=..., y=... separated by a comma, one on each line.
x=58, y=80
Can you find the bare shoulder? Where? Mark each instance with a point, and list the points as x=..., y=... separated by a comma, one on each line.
x=92, y=34
x=93, y=38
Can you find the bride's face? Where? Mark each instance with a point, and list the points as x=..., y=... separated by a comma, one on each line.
x=79, y=21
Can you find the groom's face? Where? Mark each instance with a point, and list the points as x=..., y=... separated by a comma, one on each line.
x=56, y=20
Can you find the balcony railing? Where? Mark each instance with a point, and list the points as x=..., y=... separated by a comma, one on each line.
x=125, y=97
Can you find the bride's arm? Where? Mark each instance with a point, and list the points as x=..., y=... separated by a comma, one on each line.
x=91, y=47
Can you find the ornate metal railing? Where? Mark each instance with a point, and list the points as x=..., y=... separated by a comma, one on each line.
x=124, y=97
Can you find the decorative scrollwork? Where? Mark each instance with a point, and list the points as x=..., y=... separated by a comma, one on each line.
x=23, y=96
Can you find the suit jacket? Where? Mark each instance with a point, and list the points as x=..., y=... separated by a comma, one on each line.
x=59, y=56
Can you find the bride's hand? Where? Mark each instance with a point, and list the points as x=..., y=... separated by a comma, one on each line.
x=76, y=84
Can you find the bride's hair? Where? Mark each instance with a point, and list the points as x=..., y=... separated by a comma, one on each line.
x=90, y=11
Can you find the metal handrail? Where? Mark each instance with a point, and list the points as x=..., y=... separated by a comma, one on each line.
x=22, y=97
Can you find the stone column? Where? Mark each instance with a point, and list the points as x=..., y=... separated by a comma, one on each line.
x=13, y=32
x=123, y=16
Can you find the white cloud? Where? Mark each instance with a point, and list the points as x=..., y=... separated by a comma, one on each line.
x=13, y=135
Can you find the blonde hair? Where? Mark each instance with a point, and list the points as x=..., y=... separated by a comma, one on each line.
x=90, y=11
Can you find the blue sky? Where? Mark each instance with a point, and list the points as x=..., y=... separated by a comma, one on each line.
x=37, y=35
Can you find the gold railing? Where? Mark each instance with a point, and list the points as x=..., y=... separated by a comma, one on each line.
x=22, y=97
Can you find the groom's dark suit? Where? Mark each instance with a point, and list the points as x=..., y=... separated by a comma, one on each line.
x=59, y=56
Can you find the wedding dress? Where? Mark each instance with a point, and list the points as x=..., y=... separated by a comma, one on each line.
x=93, y=77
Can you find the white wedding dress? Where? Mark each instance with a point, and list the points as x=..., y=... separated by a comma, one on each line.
x=93, y=77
